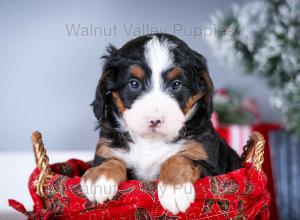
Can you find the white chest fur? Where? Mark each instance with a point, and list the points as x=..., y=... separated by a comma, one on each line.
x=147, y=157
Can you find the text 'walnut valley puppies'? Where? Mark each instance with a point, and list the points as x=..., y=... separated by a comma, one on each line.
x=153, y=103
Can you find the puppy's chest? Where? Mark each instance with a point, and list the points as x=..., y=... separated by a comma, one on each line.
x=145, y=159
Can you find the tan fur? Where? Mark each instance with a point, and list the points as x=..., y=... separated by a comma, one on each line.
x=179, y=168
x=137, y=71
x=113, y=169
x=103, y=148
x=192, y=100
x=118, y=101
x=207, y=96
x=210, y=87
x=173, y=73
x=194, y=151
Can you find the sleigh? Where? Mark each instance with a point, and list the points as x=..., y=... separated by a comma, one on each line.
x=56, y=192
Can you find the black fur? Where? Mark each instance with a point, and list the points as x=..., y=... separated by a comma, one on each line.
x=195, y=78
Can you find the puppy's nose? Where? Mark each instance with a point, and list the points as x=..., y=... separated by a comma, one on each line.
x=153, y=123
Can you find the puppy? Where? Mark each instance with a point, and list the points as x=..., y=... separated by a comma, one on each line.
x=153, y=103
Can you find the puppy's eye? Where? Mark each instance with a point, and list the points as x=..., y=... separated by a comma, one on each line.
x=176, y=85
x=134, y=84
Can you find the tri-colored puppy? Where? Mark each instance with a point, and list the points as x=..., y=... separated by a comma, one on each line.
x=153, y=103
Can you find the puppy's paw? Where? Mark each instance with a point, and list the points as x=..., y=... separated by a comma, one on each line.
x=176, y=197
x=97, y=187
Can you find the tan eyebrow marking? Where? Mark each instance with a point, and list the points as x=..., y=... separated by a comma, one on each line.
x=137, y=71
x=174, y=73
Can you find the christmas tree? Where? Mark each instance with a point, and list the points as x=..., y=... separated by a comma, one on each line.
x=264, y=38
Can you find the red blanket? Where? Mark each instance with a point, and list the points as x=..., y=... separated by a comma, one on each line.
x=241, y=192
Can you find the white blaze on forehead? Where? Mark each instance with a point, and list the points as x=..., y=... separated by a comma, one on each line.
x=159, y=58
x=155, y=104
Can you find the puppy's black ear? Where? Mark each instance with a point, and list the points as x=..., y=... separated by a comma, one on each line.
x=100, y=103
x=203, y=77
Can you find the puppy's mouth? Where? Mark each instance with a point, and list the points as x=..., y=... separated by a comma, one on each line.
x=154, y=135
x=147, y=133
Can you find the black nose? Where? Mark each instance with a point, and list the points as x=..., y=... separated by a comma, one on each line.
x=154, y=123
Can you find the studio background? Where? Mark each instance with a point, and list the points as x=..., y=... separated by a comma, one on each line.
x=49, y=74
x=48, y=77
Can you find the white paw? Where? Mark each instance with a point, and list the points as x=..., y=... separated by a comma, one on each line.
x=100, y=190
x=176, y=198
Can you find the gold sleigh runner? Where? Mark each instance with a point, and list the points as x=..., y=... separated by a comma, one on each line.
x=253, y=153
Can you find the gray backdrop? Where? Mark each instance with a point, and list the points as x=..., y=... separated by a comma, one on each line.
x=48, y=73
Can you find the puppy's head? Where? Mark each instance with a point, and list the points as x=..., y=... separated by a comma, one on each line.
x=152, y=86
